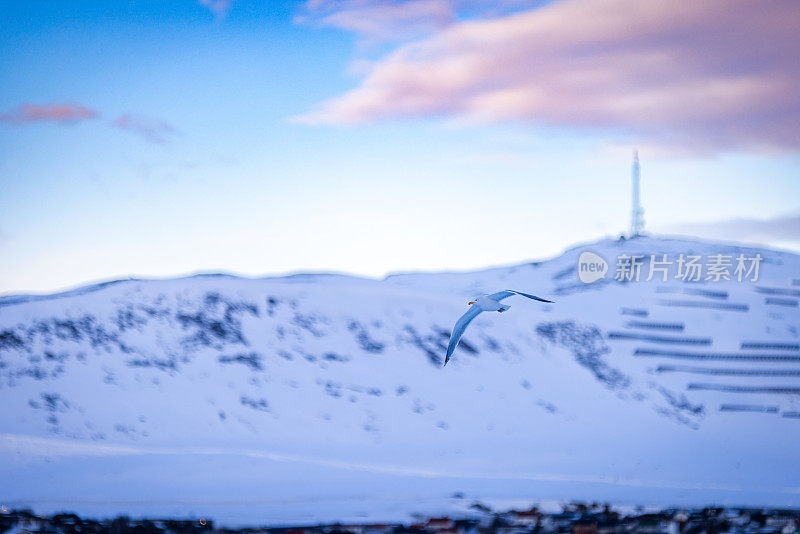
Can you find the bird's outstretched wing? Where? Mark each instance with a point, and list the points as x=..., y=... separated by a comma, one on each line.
x=458, y=330
x=500, y=295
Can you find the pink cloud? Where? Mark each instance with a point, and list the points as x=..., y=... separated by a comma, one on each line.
x=392, y=20
x=219, y=8
x=704, y=74
x=153, y=130
x=381, y=20
x=59, y=113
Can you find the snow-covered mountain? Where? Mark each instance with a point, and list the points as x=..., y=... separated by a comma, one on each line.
x=323, y=397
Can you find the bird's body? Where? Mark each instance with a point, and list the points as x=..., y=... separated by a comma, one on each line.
x=487, y=303
x=481, y=304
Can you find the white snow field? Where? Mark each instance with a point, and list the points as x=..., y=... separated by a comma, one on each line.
x=314, y=398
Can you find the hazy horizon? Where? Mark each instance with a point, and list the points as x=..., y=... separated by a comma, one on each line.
x=256, y=275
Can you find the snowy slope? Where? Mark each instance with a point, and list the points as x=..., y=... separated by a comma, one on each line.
x=275, y=396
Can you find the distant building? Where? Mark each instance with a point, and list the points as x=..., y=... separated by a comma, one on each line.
x=584, y=526
x=440, y=524
x=524, y=517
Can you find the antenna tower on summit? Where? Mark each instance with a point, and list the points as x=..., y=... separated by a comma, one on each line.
x=637, y=212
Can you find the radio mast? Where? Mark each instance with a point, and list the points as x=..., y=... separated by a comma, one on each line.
x=637, y=212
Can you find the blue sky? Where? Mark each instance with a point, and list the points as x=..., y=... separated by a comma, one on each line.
x=195, y=151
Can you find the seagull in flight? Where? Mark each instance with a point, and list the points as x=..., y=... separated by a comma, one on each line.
x=482, y=304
